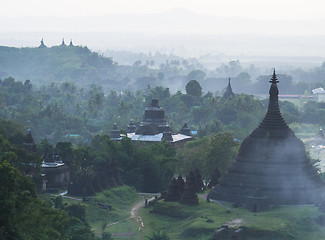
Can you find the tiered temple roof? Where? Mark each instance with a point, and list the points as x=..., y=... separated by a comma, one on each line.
x=155, y=128
x=131, y=127
x=154, y=121
x=185, y=130
x=271, y=164
x=115, y=133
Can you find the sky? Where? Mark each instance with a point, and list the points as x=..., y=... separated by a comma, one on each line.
x=256, y=9
x=251, y=27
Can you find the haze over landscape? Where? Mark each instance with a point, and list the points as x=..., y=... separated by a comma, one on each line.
x=252, y=31
x=161, y=120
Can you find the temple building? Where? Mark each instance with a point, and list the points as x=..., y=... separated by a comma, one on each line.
x=55, y=172
x=155, y=128
x=271, y=167
x=228, y=93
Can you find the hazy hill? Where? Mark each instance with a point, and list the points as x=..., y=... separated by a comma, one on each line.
x=83, y=67
x=57, y=64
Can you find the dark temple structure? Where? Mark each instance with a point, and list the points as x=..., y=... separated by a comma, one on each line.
x=155, y=128
x=228, y=93
x=271, y=166
x=154, y=120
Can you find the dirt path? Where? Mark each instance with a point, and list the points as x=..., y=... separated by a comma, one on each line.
x=133, y=215
x=134, y=210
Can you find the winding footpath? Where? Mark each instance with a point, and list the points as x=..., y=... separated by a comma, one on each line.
x=133, y=215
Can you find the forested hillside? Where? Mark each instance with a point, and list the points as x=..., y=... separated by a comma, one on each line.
x=79, y=65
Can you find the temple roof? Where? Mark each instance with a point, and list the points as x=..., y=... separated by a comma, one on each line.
x=272, y=164
x=185, y=130
x=154, y=120
x=52, y=160
x=115, y=133
x=131, y=127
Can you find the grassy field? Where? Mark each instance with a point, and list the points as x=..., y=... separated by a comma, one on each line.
x=190, y=222
x=197, y=222
x=115, y=221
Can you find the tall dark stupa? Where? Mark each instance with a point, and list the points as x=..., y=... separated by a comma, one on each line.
x=271, y=166
x=228, y=93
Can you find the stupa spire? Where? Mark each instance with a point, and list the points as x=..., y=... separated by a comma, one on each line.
x=228, y=91
x=273, y=122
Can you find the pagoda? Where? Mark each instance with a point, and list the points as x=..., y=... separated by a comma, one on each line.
x=185, y=130
x=228, y=93
x=42, y=44
x=114, y=134
x=271, y=166
x=29, y=141
x=63, y=43
x=131, y=127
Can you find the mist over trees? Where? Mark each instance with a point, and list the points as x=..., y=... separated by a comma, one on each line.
x=79, y=65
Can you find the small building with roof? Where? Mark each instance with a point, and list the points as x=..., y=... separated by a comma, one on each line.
x=56, y=174
x=319, y=94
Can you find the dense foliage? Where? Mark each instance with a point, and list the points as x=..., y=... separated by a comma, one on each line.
x=81, y=66
x=208, y=153
x=22, y=214
x=66, y=112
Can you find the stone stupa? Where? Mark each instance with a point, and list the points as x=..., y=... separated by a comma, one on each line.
x=228, y=93
x=271, y=166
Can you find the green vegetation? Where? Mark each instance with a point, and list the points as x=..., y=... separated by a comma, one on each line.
x=184, y=222
x=218, y=151
x=121, y=199
x=23, y=214
x=73, y=119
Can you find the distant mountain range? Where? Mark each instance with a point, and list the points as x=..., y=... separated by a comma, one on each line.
x=176, y=21
x=178, y=31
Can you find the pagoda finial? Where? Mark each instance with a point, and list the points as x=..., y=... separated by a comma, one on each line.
x=229, y=81
x=274, y=78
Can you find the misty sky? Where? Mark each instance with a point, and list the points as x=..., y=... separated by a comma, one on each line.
x=257, y=9
x=250, y=27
